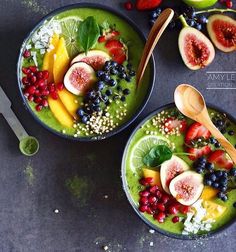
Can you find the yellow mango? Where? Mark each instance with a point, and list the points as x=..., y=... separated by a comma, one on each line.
x=61, y=61
x=68, y=100
x=213, y=210
x=208, y=193
x=60, y=112
x=148, y=173
x=48, y=60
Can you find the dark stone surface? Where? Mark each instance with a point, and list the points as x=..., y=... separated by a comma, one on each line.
x=27, y=218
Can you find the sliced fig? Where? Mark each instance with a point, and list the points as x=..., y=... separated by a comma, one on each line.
x=79, y=78
x=187, y=187
x=195, y=48
x=170, y=169
x=95, y=58
x=222, y=31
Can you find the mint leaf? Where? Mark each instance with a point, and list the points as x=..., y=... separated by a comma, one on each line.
x=88, y=33
x=157, y=155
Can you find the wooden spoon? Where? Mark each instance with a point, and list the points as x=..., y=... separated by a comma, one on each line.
x=191, y=103
x=153, y=37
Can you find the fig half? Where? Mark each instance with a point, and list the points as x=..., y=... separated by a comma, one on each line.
x=222, y=31
x=170, y=169
x=187, y=187
x=195, y=48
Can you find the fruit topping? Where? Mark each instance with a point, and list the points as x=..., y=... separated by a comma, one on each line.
x=79, y=78
x=170, y=169
x=187, y=187
x=109, y=32
x=26, y=54
x=222, y=31
x=95, y=58
x=213, y=210
x=209, y=193
x=221, y=159
x=153, y=174
x=172, y=123
x=198, y=152
x=117, y=50
x=128, y=5
x=147, y=4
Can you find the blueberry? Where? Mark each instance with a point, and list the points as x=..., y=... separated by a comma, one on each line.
x=80, y=112
x=220, y=195
x=113, y=63
x=112, y=82
x=223, y=181
x=199, y=170
x=233, y=172
x=218, y=173
x=107, y=103
x=106, y=77
x=84, y=119
x=158, y=11
x=202, y=160
x=108, y=92
x=153, y=15
x=123, y=98
x=223, y=130
x=212, y=140
x=217, y=145
x=212, y=177
x=119, y=88
x=198, y=26
x=231, y=132
x=113, y=71
x=107, y=63
x=91, y=94
x=126, y=91
x=99, y=74
x=202, y=19
x=190, y=12
x=97, y=101
x=122, y=75
x=224, y=174
x=128, y=78
x=224, y=198
x=129, y=66
x=132, y=73
x=100, y=85
x=215, y=185
x=105, y=98
x=223, y=188
x=209, y=166
x=172, y=25
x=97, y=108
x=208, y=182
x=219, y=123
x=191, y=22
x=120, y=69
x=234, y=204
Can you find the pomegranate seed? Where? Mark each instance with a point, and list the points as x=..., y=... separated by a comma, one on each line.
x=153, y=189
x=60, y=86
x=26, y=54
x=158, y=194
x=25, y=80
x=160, y=217
x=143, y=209
x=175, y=219
x=41, y=83
x=128, y=5
x=143, y=201
x=26, y=94
x=54, y=95
x=149, y=210
x=173, y=210
x=185, y=209
x=165, y=198
x=38, y=107
x=45, y=93
x=144, y=193
x=152, y=199
x=229, y=4
x=146, y=181
x=39, y=75
x=33, y=79
x=37, y=100
x=31, y=98
x=45, y=74
x=52, y=89
x=44, y=103
x=160, y=207
x=31, y=90
x=33, y=69
x=37, y=93
x=25, y=70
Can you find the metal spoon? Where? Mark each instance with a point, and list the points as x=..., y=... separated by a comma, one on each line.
x=24, y=138
x=191, y=103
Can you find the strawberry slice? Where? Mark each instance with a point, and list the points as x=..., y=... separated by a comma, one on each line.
x=117, y=50
x=221, y=159
x=172, y=123
x=113, y=43
x=147, y=4
x=195, y=131
x=198, y=152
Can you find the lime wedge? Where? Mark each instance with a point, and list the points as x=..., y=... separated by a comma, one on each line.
x=69, y=27
x=200, y=4
x=142, y=147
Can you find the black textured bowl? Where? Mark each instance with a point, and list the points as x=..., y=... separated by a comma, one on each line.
x=126, y=189
x=139, y=109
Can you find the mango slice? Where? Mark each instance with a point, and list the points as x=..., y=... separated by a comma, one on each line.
x=68, y=99
x=153, y=174
x=208, y=193
x=213, y=209
x=60, y=112
x=48, y=60
x=61, y=61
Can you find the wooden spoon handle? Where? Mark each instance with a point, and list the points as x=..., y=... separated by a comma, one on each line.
x=153, y=37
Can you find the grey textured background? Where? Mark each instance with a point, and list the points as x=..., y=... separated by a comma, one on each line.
x=27, y=218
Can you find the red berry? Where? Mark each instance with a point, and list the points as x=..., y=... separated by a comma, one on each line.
x=41, y=83
x=33, y=79
x=26, y=94
x=173, y=209
x=175, y=219
x=31, y=90
x=143, y=209
x=152, y=199
x=165, y=198
x=25, y=80
x=25, y=70
x=26, y=54
x=45, y=74
x=102, y=39
x=128, y=5
x=38, y=100
x=54, y=95
x=39, y=75
x=33, y=69
x=60, y=86
x=158, y=194
x=143, y=201
x=38, y=107
x=149, y=180
x=149, y=210
x=185, y=209
x=37, y=93
x=153, y=189
x=229, y=4
x=44, y=103
x=160, y=217
x=160, y=207
x=45, y=92
x=31, y=98
x=144, y=193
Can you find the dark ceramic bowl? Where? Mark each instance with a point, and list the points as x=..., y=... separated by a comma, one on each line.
x=131, y=201
x=139, y=109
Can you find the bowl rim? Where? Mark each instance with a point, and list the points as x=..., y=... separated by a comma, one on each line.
x=126, y=189
x=140, y=108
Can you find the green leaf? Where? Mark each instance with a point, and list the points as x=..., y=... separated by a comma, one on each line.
x=88, y=33
x=157, y=155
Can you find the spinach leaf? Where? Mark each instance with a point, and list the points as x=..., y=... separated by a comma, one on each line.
x=88, y=33
x=157, y=155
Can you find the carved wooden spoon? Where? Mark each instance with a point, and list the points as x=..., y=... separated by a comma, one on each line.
x=153, y=37
x=191, y=103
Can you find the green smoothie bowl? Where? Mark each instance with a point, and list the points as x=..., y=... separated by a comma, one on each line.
x=77, y=72
x=177, y=177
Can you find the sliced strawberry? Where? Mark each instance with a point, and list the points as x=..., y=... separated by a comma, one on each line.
x=118, y=55
x=198, y=152
x=102, y=39
x=195, y=131
x=172, y=123
x=147, y=4
x=221, y=159
x=113, y=43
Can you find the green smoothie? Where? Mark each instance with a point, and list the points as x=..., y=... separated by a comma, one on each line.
x=119, y=110
x=133, y=166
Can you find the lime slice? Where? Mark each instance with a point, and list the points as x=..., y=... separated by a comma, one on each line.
x=69, y=27
x=142, y=147
x=200, y=4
